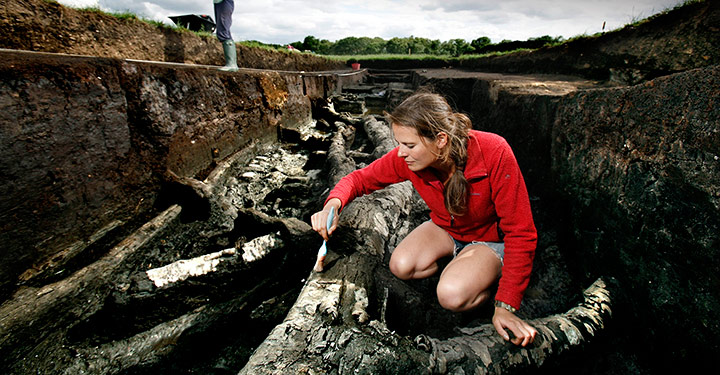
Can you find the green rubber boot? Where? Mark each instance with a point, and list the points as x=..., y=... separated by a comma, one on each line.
x=230, y=56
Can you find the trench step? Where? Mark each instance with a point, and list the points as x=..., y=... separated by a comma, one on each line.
x=361, y=89
x=382, y=89
x=387, y=78
x=390, y=71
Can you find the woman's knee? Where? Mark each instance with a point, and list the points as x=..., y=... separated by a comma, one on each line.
x=405, y=266
x=457, y=297
x=402, y=266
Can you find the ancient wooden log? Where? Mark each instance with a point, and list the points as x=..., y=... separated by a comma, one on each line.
x=339, y=164
x=380, y=134
x=481, y=350
x=338, y=323
x=35, y=314
x=74, y=325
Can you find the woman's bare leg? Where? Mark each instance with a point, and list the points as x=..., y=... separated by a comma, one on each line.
x=417, y=254
x=465, y=282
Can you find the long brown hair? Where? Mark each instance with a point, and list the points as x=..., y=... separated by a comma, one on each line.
x=429, y=114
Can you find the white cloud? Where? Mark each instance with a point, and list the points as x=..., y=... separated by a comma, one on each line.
x=79, y=3
x=285, y=21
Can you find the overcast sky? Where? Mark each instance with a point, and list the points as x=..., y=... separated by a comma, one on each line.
x=287, y=21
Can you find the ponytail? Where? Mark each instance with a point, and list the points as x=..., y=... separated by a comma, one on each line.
x=457, y=188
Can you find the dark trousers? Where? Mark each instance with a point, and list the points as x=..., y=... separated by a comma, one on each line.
x=223, y=19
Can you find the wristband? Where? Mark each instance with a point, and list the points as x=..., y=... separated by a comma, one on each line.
x=505, y=306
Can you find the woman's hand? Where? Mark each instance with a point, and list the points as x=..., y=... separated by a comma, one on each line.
x=319, y=219
x=524, y=333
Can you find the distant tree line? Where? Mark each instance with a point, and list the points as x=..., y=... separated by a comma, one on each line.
x=412, y=45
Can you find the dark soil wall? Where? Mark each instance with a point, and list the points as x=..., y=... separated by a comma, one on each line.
x=88, y=145
x=632, y=174
x=639, y=167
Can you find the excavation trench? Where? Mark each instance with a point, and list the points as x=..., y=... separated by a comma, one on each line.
x=154, y=215
x=203, y=302
x=215, y=275
x=226, y=261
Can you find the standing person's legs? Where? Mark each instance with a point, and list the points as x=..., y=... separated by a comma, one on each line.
x=223, y=19
x=464, y=284
x=415, y=257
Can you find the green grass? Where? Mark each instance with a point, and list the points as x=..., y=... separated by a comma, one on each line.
x=128, y=16
x=132, y=17
x=500, y=53
x=640, y=19
x=388, y=56
x=257, y=44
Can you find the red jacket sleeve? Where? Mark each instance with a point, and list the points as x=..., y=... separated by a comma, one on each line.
x=379, y=174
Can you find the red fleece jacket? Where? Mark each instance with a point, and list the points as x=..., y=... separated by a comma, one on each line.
x=498, y=199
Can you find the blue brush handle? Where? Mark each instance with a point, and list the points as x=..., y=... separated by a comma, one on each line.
x=330, y=218
x=323, y=249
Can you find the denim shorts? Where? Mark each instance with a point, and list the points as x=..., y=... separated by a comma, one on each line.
x=497, y=247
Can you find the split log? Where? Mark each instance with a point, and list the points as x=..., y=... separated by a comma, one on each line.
x=338, y=324
x=35, y=313
x=339, y=164
x=481, y=350
x=380, y=134
x=329, y=327
x=326, y=110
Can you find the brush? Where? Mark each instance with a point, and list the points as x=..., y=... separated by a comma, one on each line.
x=323, y=249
